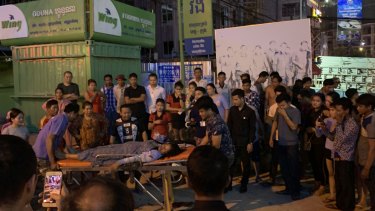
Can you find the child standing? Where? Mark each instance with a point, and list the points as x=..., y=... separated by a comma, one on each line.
x=97, y=98
x=175, y=105
x=160, y=122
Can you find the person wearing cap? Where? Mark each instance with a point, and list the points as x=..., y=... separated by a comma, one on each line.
x=119, y=90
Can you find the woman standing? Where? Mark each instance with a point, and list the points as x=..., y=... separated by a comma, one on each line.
x=324, y=129
x=219, y=100
x=95, y=97
x=317, y=144
x=60, y=100
x=176, y=105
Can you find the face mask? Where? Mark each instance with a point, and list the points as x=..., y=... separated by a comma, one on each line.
x=331, y=89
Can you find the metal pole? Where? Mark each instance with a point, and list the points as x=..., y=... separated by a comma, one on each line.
x=300, y=9
x=181, y=40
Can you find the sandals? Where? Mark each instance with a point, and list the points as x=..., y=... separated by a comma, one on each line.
x=328, y=200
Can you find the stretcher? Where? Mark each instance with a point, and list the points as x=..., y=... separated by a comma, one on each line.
x=164, y=165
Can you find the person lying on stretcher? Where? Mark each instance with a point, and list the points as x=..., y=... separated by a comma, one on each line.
x=141, y=152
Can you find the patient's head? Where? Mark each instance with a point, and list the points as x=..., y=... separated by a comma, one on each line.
x=169, y=149
x=18, y=167
x=100, y=194
x=208, y=171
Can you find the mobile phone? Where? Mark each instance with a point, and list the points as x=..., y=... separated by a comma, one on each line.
x=321, y=118
x=52, y=185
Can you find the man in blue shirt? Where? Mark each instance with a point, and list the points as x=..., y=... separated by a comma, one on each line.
x=50, y=137
x=110, y=103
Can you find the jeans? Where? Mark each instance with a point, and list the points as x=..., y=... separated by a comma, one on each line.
x=111, y=117
x=242, y=155
x=318, y=162
x=289, y=163
x=344, y=178
x=274, y=160
x=371, y=187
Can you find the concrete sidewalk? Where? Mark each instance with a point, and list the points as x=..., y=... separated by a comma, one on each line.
x=258, y=197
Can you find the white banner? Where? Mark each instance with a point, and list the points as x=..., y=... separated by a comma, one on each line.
x=13, y=23
x=284, y=47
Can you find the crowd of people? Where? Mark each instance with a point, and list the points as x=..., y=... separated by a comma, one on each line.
x=298, y=125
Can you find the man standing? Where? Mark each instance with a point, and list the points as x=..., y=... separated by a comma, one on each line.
x=241, y=124
x=286, y=122
x=251, y=97
x=328, y=87
x=366, y=144
x=263, y=76
x=344, y=146
x=198, y=74
x=70, y=89
x=307, y=83
x=154, y=92
x=270, y=91
x=135, y=96
x=252, y=100
x=110, y=103
x=223, y=88
x=258, y=84
x=208, y=175
x=119, y=91
x=50, y=137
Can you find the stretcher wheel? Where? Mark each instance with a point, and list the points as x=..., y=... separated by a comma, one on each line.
x=176, y=176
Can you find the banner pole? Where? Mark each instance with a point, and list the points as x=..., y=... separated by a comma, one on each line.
x=181, y=40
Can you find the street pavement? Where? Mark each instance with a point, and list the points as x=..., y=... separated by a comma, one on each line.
x=259, y=197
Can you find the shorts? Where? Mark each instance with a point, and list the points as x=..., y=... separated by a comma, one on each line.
x=328, y=154
x=255, y=154
x=178, y=121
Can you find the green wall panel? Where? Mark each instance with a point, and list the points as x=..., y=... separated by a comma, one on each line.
x=39, y=68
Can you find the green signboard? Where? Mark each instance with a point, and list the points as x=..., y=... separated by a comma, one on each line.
x=44, y=21
x=52, y=21
x=198, y=27
x=197, y=17
x=116, y=22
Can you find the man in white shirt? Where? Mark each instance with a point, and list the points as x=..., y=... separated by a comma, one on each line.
x=153, y=92
x=223, y=88
x=119, y=90
x=198, y=73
